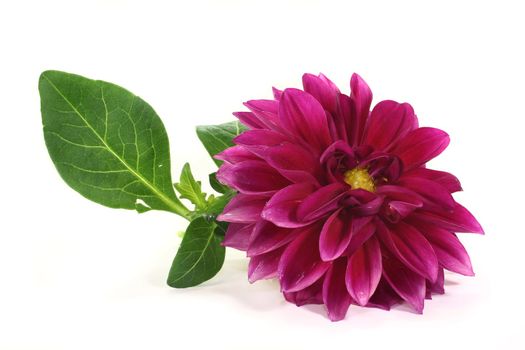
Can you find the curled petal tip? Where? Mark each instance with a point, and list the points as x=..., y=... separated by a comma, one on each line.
x=481, y=231
x=277, y=93
x=335, y=318
x=308, y=75
x=356, y=78
x=470, y=273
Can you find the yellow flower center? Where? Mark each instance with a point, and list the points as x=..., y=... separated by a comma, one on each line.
x=359, y=178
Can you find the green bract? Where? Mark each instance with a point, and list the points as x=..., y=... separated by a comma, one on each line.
x=111, y=147
x=191, y=189
x=216, y=138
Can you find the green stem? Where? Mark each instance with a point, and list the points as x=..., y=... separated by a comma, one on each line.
x=180, y=209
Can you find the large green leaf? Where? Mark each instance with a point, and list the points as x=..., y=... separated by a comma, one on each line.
x=216, y=138
x=191, y=189
x=107, y=143
x=200, y=255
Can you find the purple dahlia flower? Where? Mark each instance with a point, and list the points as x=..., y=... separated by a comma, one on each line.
x=336, y=202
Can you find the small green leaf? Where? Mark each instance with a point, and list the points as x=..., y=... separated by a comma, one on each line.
x=216, y=138
x=217, y=205
x=107, y=144
x=191, y=189
x=200, y=255
x=216, y=185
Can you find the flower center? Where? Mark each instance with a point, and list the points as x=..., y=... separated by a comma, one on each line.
x=359, y=178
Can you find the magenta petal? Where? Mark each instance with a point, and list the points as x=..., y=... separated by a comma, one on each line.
x=243, y=209
x=400, y=200
x=328, y=82
x=264, y=266
x=364, y=271
x=321, y=202
x=457, y=220
x=363, y=203
x=402, y=208
x=310, y=295
x=335, y=296
x=384, y=297
x=411, y=247
x=303, y=116
x=260, y=138
x=339, y=149
x=258, y=141
x=250, y=120
x=281, y=209
x=293, y=162
x=430, y=190
x=421, y=145
x=238, y=236
x=428, y=291
x=409, y=285
x=399, y=193
x=263, y=106
x=335, y=235
x=343, y=118
x=252, y=177
x=276, y=93
x=291, y=156
x=336, y=159
x=389, y=122
x=360, y=100
x=300, y=264
x=267, y=237
x=323, y=90
x=438, y=286
x=447, y=180
x=266, y=111
x=236, y=154
x=450, y=252
x=362, y=229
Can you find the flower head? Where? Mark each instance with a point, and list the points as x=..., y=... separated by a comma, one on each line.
x=336, y=202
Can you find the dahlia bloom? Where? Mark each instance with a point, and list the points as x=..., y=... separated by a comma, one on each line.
x=336, y=202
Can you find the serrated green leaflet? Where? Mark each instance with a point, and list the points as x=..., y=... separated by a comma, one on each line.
x=107, y=143
x=200, y=255
x=216, y=138
x=191, y=189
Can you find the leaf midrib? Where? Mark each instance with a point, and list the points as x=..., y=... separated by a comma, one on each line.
x=164, y=198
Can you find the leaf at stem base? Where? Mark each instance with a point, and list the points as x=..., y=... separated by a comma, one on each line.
x=200, y=255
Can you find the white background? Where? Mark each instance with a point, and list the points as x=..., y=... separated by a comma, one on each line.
x=76, y=275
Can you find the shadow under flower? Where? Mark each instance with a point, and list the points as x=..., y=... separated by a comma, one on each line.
x=233, y=282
